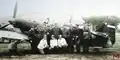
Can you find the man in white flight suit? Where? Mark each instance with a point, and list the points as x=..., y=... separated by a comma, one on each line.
x=62, y=44
x=43, y=44
x=53, y=44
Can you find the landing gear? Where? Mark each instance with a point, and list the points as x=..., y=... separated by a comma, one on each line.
x=96, y=50
x=85, y=49
x=85, y=46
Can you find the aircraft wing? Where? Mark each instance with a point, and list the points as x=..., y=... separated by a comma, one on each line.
x=12, y=35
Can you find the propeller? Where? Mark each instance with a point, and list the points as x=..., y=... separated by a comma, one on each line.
x=14, y=13
x=15, y=10
x=14, y=16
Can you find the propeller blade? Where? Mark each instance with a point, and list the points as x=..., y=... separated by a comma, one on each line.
x=15, y=11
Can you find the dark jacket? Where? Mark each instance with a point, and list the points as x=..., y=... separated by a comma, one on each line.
x=56, y=31
x=76, y=32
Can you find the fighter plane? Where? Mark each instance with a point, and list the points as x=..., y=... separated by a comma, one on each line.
x=7, y=31
x=21, y=23
x=102, y=37
x=98, y=38
x=25, y=26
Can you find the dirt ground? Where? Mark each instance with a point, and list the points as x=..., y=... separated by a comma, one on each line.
x=61, y=57
x=105, y=54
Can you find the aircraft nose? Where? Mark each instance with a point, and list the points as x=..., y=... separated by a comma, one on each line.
x=12, y=22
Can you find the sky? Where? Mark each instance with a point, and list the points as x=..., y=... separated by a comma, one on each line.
x=60, y=10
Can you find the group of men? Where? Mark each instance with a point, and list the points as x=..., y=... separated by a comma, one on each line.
x=67, y=39
x=52, y=40
x=59, y=39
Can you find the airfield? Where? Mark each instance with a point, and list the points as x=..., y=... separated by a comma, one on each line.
x=104, y=54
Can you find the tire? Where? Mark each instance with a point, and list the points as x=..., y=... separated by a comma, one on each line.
x=85, y=49
x=96, y=50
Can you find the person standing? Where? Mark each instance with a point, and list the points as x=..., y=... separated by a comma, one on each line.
x=87, y=38
x=56, y=31
x=79, y=37
x=76, y=35
x=12, y=47
x=69, y=40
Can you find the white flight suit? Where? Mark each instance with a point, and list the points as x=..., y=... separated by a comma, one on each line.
x=42, y=44
x=53, y=43
x=62, y=42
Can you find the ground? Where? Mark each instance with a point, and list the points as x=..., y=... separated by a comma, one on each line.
x=105, y=54
x=62, y=57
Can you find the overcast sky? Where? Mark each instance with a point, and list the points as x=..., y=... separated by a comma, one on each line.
x=61, y=9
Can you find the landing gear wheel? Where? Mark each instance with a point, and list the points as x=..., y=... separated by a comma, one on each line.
x=85, y=49
x=96, y=50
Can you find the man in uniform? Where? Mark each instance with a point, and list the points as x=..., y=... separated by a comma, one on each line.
x=56, y=31
x=87, y=37
x=36, y=34
x=76, y=35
